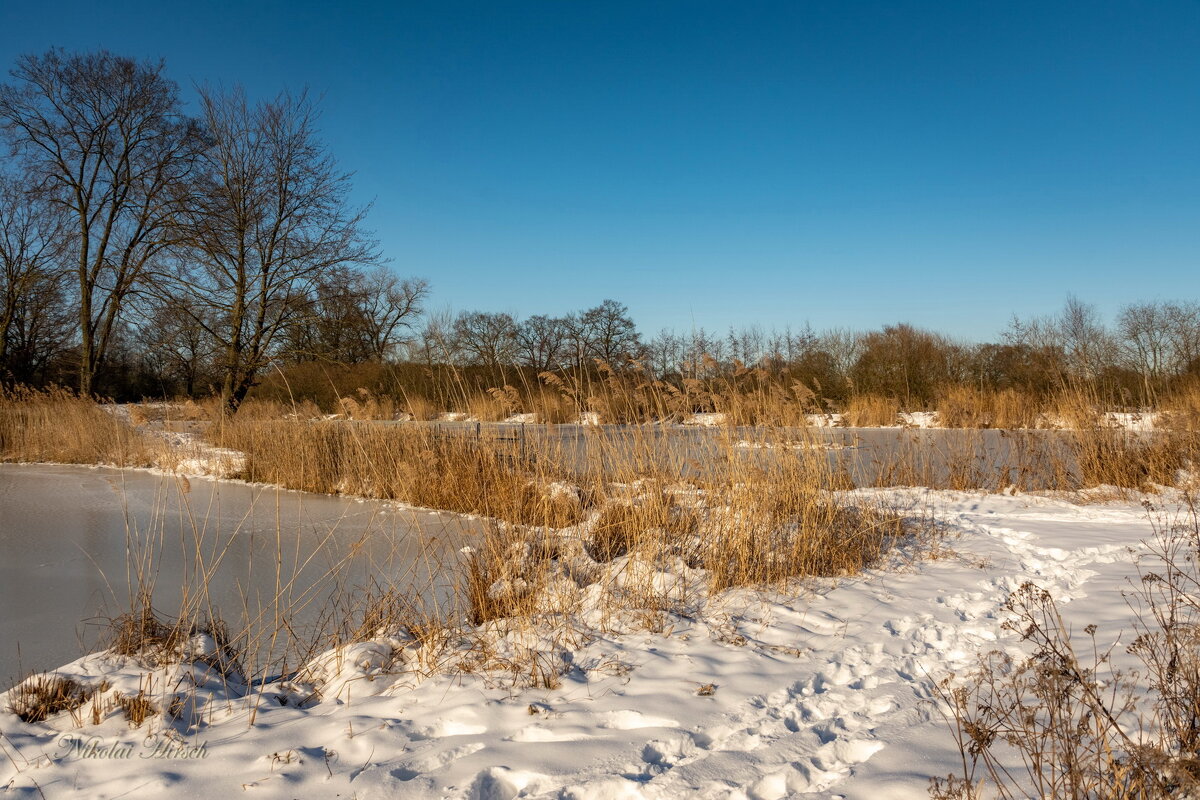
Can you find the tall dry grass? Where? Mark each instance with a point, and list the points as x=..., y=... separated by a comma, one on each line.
x=1108, y=457
x=523, y=483
x=187, y=410
x=744, y=396
x=489, y=407
x=872, y=411
x=784, y=520
x=747, y=397
x=1072, y=410
x=259, y=409
x=993, y=444
x=655, y=542
x=420, y=408
x=1068, y=461
x=1181, y=411
x=768, y=518
x=365, y=405
x=773, y=405
x=1067, y=444
x=621, y=397
x=551, y=407
x=1106, y=454
x=967, y=407
x=58, y=426
x=448, y=469
x=629, y=393
x=617, y=530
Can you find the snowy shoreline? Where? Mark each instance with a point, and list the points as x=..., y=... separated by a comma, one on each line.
x=827, y=689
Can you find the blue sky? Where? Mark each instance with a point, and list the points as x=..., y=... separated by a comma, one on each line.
x=735, y=163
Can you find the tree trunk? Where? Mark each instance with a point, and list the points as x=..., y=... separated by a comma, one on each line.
x=86, y=365
x=229, y=404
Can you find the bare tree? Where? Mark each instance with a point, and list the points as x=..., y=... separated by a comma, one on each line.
x=703, y=354
x=576, y=340
x=32, y=276
x=542, y=342
x=1087, y=343
x=434, y=343
x=611, y=334
x=1145, y=339
x=1183, y=322
x=747, y=345
x=486, y=338
x=666, y=353
x=268, y=220
x=354, y=316
x=329, y=323
x=104, y=137
x=389, y=305
x=177, y=346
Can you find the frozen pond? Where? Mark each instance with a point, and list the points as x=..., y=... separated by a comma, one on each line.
x=939, y=457
x=73, y=540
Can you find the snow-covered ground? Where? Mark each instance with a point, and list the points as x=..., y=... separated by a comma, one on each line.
x=189, y=454
x=825, y=690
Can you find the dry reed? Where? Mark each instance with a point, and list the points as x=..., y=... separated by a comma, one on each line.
x=42, y=696
x=487, y=408
x=966, y=407
x=58, y=426
x=551, y=407
x=871, y=411
x=363, y=405
x=1181, y=411
x=443, y=469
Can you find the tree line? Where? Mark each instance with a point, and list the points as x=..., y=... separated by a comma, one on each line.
x=148, y=251
x=1148, y=350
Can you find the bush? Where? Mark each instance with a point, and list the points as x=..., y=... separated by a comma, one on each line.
x=1078, y=724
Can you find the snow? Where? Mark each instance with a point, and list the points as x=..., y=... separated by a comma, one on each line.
x=746, y=444
x=707, y=420
x=1132, y=421
x=916, y=419
x=189, y=455
x=825, y=689
x=919, y=419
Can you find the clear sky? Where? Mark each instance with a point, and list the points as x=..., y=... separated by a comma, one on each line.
x=732, y=163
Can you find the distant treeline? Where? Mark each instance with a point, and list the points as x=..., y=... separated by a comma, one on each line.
x=1149, y=351
x=147, y=252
